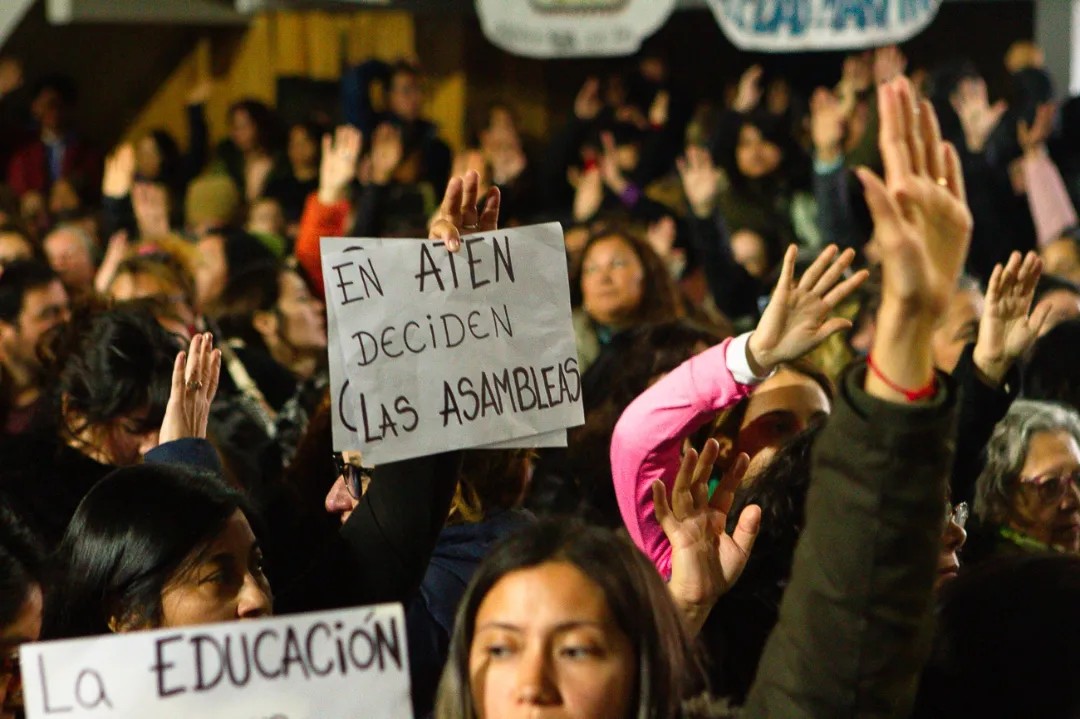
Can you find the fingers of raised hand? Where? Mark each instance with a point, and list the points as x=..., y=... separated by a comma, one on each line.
x=892, y=140
x=912, y=127
x=1040, y=317
x=839, y=293
x=787, y=268
x=1027, y=277
x=817, y=269
x=489, y=217
x=834, y=272
x=724, y=494
x=200, y=361
x=682, y=493
x=931, y=134
x=214, y=376
x=954, y=174
x=452, y=199
x=470, y=194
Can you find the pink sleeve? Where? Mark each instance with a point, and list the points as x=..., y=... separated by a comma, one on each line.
x=647, y=443
x=1050, y=205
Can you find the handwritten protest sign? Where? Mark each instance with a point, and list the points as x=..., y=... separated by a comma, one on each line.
x=800, y=25
x=447, y=351
x=326, y=665
x=571, y=28
x=344, y=422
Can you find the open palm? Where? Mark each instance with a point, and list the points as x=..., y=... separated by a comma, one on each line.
x=1007, y=330
x=797, y=318
x=706, y=561
x=920, y=210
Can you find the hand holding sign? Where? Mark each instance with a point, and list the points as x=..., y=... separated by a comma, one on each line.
x=458, y=213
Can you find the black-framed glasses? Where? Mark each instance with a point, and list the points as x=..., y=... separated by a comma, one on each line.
x=356, y=477
x=1051, y=488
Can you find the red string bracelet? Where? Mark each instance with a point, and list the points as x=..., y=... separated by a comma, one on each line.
x=910, y=395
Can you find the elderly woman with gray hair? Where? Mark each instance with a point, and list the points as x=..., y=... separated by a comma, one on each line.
x=1027, y=498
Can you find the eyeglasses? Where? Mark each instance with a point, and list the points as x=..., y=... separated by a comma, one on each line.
x=957, y=514
x=355, y=476
x=1051, y=488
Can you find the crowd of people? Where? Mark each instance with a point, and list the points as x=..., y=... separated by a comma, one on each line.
x=830, y=464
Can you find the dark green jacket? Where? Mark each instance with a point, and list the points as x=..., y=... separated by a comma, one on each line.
x=855, y=622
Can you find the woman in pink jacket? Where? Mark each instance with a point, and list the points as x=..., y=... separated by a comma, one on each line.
x=649, y=437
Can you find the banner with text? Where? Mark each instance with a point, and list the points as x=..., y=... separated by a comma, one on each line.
x=449, y=351
x=571, y=28
x=801, y=25
x=326, y=665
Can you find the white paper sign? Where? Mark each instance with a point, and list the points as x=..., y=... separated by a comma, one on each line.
x=344, y=424
x=571, y=28
x=325, y=665
x=801, y=25
x=447, y=351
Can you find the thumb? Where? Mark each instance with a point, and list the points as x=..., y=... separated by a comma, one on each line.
x=748, y=528
x=831, y=327
x=883, y=208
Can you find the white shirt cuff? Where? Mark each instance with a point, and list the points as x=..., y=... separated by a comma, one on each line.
x=737, y=363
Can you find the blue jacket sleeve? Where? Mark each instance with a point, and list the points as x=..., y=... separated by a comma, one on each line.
x=195, y=453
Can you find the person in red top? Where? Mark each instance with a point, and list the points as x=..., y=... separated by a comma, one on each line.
x=55, y=152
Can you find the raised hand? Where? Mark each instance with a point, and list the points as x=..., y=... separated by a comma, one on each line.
x=700, y=180
x=1033, y=137
x=827, y=120
x=194, y=384
x=200, y=92
x=920, y=211
x=660, y=109
x=150, y=202
x=589, y=194
x=1006, y=331
x=115, y=253
x=458, y=213
x=11, y=75
x=386, y=153
x=587, y=104
x=338, y=164
x=661, y=236
x=922, y=230
x=609, y=165
x=119, y=172
x=797, y=318
x=889, y=63
x=977, y=116
x=748, y=94
x=256, y=173
x=706, y=561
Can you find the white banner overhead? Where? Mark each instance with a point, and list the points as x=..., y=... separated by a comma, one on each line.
x=571, y=28
x=804, y=25
x=328, y=665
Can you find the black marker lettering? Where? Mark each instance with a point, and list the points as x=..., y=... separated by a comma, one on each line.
x=502, y=258
x=160, y=665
